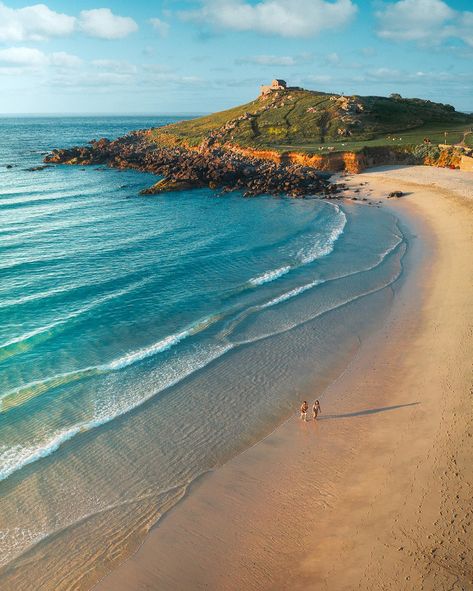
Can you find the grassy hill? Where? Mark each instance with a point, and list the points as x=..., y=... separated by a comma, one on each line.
x=314, y=121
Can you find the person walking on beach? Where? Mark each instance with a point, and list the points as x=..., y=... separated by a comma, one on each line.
x=304, y=409
x=316, y=409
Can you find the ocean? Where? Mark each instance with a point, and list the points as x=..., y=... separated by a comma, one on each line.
x=144, y=341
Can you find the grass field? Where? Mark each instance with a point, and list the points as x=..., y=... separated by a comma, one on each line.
x=319, y=122
x=411, y=137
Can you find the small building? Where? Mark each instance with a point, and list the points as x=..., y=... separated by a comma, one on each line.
x=274, y=86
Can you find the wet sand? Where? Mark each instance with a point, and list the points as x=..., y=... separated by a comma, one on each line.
x=377, y=493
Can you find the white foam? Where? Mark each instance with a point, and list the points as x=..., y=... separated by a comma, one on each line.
x=13, y=542
x=29, y=335
x=72, y=315
x=35, y=296
x=303, y=288
x=158, y=347
x=270, y=276
x=324, y=245
x=16, y=457
x=292, y=293
x=32, y=389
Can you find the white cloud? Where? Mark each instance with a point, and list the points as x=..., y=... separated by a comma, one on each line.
x=22, y=56
x=102, y=23
x=160, y=26
x=413, y=20
x=267, y=60
x=389, y=74
x=102, y=81
x=171, y=78
x=160, y=68
x=33, y=23
x=38, y=23
x=464, y=28
x=425, y=21
x=61, y=59
x=117, y=66
x=286, y=18
x=395, y=76
x=61, y=68
x=318, y=78
x=31, y=58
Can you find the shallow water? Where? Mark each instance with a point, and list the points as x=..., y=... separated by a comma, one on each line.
x=145, y=341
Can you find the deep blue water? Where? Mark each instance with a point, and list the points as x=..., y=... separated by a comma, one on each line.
x=121, y=314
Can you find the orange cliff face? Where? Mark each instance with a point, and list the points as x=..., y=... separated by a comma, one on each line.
x=340, y=161
x=337, y=162
x=351, y=162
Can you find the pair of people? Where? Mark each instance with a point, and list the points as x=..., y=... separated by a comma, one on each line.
x=315, y=410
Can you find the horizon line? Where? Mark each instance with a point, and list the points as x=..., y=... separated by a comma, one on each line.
x=104, y=114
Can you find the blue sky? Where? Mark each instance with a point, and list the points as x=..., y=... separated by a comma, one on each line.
x=191, y=56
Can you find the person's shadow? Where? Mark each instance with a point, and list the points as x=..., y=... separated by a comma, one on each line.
x=363, y=413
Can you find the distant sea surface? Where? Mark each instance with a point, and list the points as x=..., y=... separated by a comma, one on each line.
x=146, y=340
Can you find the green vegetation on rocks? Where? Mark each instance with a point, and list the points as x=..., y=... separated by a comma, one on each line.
x=317, y=122
x=280, y=143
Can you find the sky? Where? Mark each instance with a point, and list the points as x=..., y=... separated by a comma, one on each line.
x=198, y=56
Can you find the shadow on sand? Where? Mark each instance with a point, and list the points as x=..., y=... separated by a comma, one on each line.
x=363, y=413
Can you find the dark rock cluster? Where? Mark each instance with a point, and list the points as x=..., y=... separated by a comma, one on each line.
x=209, y=166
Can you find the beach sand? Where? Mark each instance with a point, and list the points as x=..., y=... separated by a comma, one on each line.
x=377, y=494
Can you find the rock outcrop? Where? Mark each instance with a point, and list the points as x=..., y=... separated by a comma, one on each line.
x=211, y=165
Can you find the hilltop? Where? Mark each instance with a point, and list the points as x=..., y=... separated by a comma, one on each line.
x=297, y=119
x=280, y=142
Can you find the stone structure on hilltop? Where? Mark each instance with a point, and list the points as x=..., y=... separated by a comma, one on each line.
x=275, y=85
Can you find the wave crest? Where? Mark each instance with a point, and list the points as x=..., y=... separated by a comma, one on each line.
x=16, y=457
x=324, y=245
x=269, y=276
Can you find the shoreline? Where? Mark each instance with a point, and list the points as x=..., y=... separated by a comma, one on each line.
x=261, y=384
x=324, y=504
x=184, y=168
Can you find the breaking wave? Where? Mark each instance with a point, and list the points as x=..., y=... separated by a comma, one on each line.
x=270, y=276
x=324, y=245
x=16, y=457
x=21, y=395
x=23, y=342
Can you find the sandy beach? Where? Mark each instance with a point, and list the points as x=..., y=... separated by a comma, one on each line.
x=377, y=493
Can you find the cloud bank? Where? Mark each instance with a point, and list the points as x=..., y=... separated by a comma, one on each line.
x=29, y=57
x=286, y=18
x=39, y=23
x=102, y=23
x=33, y=23
x=427, y=22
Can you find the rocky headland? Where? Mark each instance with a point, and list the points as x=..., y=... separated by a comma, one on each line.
x=208, y=166
x=288, y=141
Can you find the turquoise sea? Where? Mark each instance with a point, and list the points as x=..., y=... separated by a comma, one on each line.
x=146, y=340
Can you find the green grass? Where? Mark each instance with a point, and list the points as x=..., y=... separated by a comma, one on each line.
x=312, y=121
x=195, y=130
x=436, y=134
